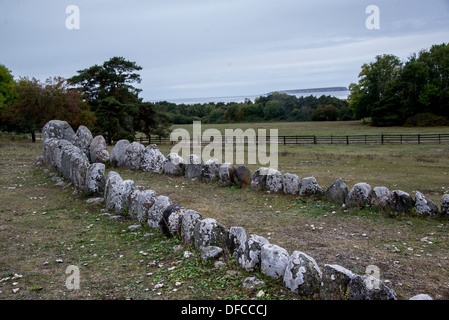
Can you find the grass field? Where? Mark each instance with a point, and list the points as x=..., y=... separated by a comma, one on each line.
x=40, y=222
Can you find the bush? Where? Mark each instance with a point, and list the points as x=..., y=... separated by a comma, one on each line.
x=426, y=120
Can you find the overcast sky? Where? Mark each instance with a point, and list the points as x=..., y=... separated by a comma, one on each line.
x=209, y=48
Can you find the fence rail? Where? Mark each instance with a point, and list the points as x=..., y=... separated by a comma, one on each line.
x=437, y=138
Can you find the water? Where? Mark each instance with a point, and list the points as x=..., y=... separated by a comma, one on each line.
x=341, y=94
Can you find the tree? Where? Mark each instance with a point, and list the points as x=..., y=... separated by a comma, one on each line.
x=7, y=90
x=151, y=121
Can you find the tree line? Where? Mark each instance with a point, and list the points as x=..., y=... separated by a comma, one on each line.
x=394, y=93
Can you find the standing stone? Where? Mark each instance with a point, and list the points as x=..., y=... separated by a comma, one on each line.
x=251, y=258
x=335, y=282
x=193, y=167
x=424, y=206
x=303, y=275
x=152, y=159
x=241, y=176
x=119, y=195
x=58, y=129
x=360, y=195
x=445, y=206
x=225, y=173
x=188, y=222
x=274, y=181
x=83, y=138
x=210, y=168
x=96, y=179
x=118, y=153
x=337, y=191
x=292, y=183
x=56, y=149
x=155, y=213
x=133, y=156
x=381, y=198
x=99, y=150
x=259, y=180
x=133, y=201
x=48, y=147
x=79, y=167
x=274, y=260
x=369, y=288
x=171, y=220
x=402, y=202
x=68, y=152
x=145, y=200
x=111, y=189
x=236, y=242
x=174, y=164
x=208, y=232
x=310, y=187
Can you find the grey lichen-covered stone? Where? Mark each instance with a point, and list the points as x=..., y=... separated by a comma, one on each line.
x=209, y=170
x=236, y=242
x=152, y=159
x=96, y=179
x=335, y=282
x=310, y=187
x=188, y=222
x=251, y=257
x=421, y=297
x=225, y=172
x=133, y=156
x=68, y=151
x=145, y=200
x=274, y=181
x=117, y=192
x=208, y=232
x=133, y=201
x=292, y=183
x=48, y=147
x=174, y=164
x=112, y=181
x=117, y=157
x=193, y=167
x=337, y=191
x=211, y=253
x=58, y=129
x=241, y=176
x=274, y=260
x=157, y=209
x=402, y=201
x=445, y=206
x=303, y=275
x=424, y=206
x=57, y=149
x=359, y=196
x=381, y=198
x=83, y=138
x=259, y=179
x=369, y=288
x=99, y=150
x=171, y=220
x=79, y=167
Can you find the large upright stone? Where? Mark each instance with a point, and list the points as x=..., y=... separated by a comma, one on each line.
x=118, y=153
x=156, y=211
x=171, y=220
x=310, y=187
x=68, y=153
x=117, y=192
x=99, y=150
x=83, y=138
x=48, y=148
x=210, y=168
x=79, y=168
x=133, y=156
x=424, y=206
x=188, y=222
x=303, y=275
x=96, y=179
x=402, y=202
x=174, y=164
x=360, y=195
x=445, y=206
x=57, y=148
x=292, y=183
x=111, y=188
x=241, y=176
x=369, y=288
x=259, y=179
x=133, y=201
x=251, y=257
x=337, y=191
x=335, y=282
x=225, y=173
x=381, y=198
x=274, y=181
x=58, y=129
x=208, y=232
x=193, y=167
x=145, y=200
x=236, y=242
x=152, y=159
x=274, y=260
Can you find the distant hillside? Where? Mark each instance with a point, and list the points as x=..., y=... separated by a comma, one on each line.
x=312, y=90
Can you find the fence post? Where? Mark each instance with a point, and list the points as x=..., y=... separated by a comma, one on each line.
x=314, y=139
x=284, y=140
x=382, y=139
x=347, y=140
x=419, y=138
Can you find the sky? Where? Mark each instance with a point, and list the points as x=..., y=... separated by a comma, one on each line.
x=217, y=48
